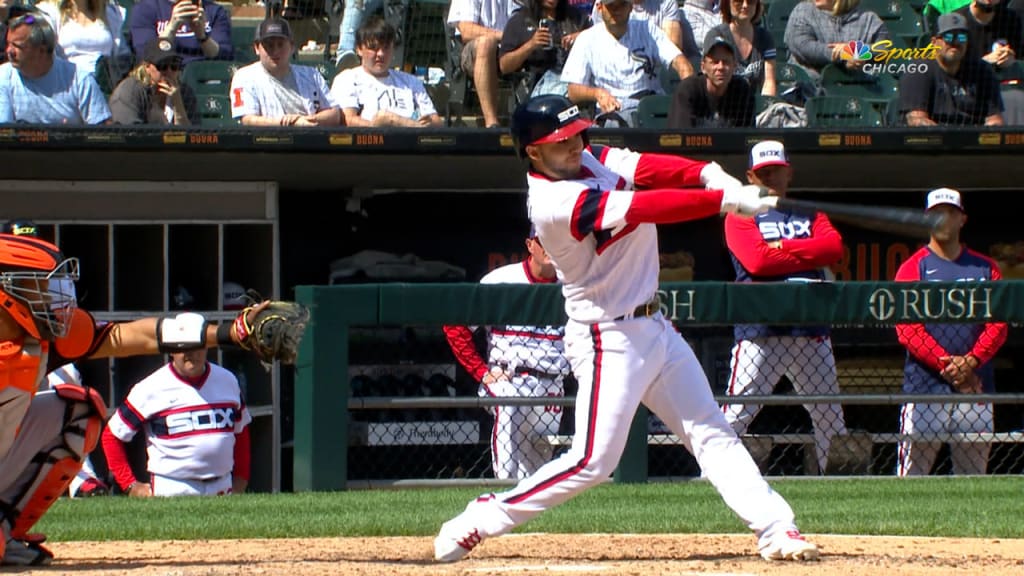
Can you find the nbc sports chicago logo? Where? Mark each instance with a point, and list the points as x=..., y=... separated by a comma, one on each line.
x=884, y=58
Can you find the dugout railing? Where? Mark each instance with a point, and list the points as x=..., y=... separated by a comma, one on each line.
x=379, y=399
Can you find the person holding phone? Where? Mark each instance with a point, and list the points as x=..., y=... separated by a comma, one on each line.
x=199, y=29
x=537, y=40
x=152, y=93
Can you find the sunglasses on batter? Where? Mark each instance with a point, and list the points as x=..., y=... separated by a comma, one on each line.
x=955, y=37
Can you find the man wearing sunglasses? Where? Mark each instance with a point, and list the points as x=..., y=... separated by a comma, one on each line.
x=38, y=87
x=954, y=89
x=152, y=93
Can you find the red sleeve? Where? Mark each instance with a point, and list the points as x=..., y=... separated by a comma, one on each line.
x=243, y=458
x=993, y=336
x=460, y=338
x=918, y=342
x=666, y=206
x=822, y=248
x=667, y=171
x=746, y=243
x=117, y=459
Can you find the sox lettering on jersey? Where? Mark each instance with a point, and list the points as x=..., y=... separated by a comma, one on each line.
x=785, y=230
x=209, y=419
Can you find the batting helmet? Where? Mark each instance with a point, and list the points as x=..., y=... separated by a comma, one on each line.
x=27, y=267
x=547, y=118
x=21, y=228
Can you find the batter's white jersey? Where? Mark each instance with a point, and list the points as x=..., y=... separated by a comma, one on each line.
x=622, y=66
x=399, y=92
x=254, y=92
x=490, y=13
x=190, y=429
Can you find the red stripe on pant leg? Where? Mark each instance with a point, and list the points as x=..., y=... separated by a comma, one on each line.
x=588, y=451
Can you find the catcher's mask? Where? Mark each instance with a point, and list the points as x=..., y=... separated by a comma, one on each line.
x=547, y=118
x=37, y=285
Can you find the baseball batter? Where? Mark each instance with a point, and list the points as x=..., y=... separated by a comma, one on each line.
x=943, y=358
x=46, y=434
x=596, y=209
x=780, y=246
x=522, y=361
x=196, y=426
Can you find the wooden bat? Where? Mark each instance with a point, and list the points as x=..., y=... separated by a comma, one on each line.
x=900, y=221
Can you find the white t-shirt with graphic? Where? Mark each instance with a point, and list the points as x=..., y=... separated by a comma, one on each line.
x=398, y=92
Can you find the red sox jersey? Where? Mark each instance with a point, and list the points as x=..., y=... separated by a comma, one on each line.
x=255, y=92
x=599, y=228
x=526, y=347
x=190, y=427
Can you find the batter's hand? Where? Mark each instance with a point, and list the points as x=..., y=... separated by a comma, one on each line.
x=140, y=490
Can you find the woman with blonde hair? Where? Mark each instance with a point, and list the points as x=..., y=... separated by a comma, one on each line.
x=755, y=47
x=88, y=30
x=818, y=30
x=152, y=92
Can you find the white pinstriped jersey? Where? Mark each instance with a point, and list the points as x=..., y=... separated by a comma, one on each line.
x=255, y=92
x=622, y=66
x=489, y=13
x=190, y=429
x=655, y=11
x=401, y=93
x=534, y=347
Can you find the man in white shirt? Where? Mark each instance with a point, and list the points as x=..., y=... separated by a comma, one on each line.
x=480, y=24
x=375, y=95
x=273, y=92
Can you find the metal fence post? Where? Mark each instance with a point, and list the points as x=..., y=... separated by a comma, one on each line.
x=633, y=464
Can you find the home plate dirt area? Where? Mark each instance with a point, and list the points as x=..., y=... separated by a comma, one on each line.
x=549, y=554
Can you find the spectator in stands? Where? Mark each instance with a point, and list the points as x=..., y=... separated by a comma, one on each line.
x=715, y=97
x=208, y=460
x=88, y=30
x=663, y=14
x=617, y=63
x=351, y=20
x=583, y=6
x=698, y=17
x=947, y=358
x=755, y=47
x=275, y=92
x=480, y=24
x=152, y=92
x=818, y=30
x=540, y=51
x=200, y=30
x=955, y=89
x=39, y=87
x=996, y=35
x=375, y=95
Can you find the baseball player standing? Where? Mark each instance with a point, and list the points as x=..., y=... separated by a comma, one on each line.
x=943, y=358
x=522, y=361
x=595, y=209
x=781, y=246
x=196, y=425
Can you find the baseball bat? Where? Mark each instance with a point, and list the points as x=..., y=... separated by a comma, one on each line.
x=900, y=221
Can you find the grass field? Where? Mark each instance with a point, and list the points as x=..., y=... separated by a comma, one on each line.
x=990, y=507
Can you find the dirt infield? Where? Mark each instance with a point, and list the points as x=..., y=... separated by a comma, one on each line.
x=641, y=555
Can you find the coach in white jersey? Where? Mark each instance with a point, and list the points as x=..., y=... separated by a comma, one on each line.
x=522, y=361
x=375, y=95
x=196, y=426
x=617, y=62
x=275, y=92
x=596, y=210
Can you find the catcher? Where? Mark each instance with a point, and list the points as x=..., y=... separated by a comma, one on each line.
x=46, y=434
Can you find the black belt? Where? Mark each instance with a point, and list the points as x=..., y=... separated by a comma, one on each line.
x=524, y=371
x=649, y=308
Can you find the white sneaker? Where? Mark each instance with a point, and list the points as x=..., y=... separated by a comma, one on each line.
x=453, y=543
x=789, y=545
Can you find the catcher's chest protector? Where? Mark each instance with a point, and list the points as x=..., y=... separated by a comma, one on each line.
x=22, y=368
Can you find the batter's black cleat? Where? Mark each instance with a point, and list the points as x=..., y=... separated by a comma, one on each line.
x=28, y=552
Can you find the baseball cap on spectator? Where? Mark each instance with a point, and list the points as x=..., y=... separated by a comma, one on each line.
x=941, y=196
x=273, y=28
x=950, y=22
x=159, y=51
x=716, y=38
x=768, y=153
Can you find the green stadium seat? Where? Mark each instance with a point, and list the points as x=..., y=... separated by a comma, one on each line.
x=838, y=81
x=787, y=75
x=215, y=110
x=652, y=111
x=207, y=77
x=762, y=102
x=776, y=16
x=841, y=112
x=242, y=38
x=900, y=19
x=893, y=118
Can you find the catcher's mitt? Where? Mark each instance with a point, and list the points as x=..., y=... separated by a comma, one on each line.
x=274, y=331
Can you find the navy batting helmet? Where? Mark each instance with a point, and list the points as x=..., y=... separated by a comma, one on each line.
x=21, y=228
x=547, y=118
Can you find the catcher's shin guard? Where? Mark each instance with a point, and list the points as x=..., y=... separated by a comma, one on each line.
x=84, y=414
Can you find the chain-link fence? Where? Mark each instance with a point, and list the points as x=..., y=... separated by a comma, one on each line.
x=838, y=399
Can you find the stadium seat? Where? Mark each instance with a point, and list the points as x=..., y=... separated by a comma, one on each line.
x=762, y=102
x=838, y=81
x=652, y=111
x=787, y=75
x=841, y=111
x=776, y=17
x=893, y=118
x=327, y=69
x=209, y=77
x=900, y=19
x=242, y=38
x=215, y=110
